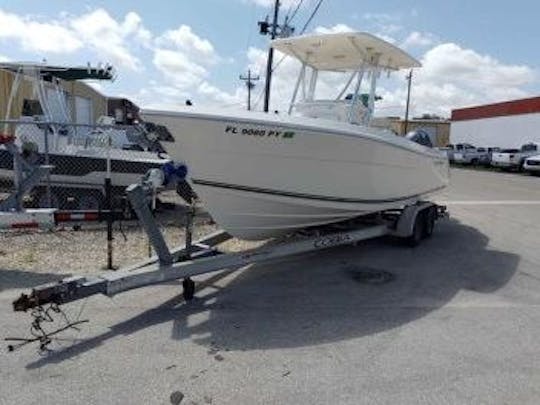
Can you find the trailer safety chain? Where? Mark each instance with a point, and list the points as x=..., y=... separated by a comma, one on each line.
x=44, y=314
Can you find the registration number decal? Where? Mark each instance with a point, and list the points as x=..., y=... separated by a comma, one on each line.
x=258, y=132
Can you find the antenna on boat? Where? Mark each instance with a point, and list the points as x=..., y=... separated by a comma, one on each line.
x=250, y=84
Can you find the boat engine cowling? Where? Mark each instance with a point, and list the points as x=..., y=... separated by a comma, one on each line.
x=421, y=137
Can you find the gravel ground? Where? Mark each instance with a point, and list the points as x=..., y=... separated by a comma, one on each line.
x=84, y=251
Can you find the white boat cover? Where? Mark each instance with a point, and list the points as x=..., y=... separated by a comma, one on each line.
x=345, y=51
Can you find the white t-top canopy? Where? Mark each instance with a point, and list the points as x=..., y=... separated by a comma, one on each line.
x=345, y=51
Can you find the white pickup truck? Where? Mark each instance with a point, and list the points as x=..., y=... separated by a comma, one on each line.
x=532, y=165
x=508, y=159
x=472, y=156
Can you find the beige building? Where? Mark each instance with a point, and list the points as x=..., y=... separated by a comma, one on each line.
x=85, y=104
x=437, y=128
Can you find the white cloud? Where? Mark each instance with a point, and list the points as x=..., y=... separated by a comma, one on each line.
x=334, y=29
x=185, y=40
x=178, y=67
x=384, y=25
x=453, y=77
x=4, y=58
x=217, y=96
x=184, y=58
x=36, y=36
x=96, y=30
x=111, y=38
x=451, y=62
x=418, y=40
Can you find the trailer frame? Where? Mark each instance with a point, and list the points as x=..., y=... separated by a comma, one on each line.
x=414, y=223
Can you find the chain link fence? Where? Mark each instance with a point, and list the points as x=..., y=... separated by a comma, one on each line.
x=80, y=157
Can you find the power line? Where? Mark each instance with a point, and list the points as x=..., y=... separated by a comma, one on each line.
x=311, y=16
x=296, y=10
x=303, y=29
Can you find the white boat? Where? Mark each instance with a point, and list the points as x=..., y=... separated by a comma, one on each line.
x=262, y=175
x=78, y=153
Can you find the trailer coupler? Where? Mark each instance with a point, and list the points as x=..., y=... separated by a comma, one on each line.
x=44, y=305
x=64, y=291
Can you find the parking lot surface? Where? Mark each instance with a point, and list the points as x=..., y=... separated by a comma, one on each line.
x=458, y=323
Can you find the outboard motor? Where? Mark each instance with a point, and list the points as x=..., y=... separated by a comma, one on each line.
x=420, y=136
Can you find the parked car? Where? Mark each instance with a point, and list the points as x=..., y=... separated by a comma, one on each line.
x=451, y=150
x=532, y=165
x=469, y=155
x=480, y=156
x=514, y=159
x=447, y=150
x=491, y=151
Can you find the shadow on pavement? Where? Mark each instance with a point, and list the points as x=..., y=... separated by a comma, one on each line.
x=26, y=279
x=316, y=298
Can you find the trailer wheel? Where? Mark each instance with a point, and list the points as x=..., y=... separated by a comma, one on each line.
x=418, y=230
x=189, y=288
x=429, y=224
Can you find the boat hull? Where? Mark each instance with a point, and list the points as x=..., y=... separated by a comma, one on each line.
x=264, y=175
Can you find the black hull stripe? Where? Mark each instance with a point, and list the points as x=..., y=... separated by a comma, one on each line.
x=306, y=196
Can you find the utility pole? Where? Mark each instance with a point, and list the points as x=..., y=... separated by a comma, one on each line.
x=250, y=84
x=264, y=30
x=409, y=79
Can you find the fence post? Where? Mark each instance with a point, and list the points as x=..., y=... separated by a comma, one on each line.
x=47, y=162
x=109, y=206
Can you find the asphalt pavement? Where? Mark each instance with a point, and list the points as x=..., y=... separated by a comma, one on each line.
x=458, y=322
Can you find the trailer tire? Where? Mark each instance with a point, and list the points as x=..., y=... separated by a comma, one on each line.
x=429, y=224
x=418, y=230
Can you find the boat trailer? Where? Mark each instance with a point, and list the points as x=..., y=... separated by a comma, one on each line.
x=413, y=223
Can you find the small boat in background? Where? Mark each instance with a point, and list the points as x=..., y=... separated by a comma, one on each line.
x=78, y=153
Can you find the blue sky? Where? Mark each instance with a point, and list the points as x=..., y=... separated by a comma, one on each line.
x=166, y=51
